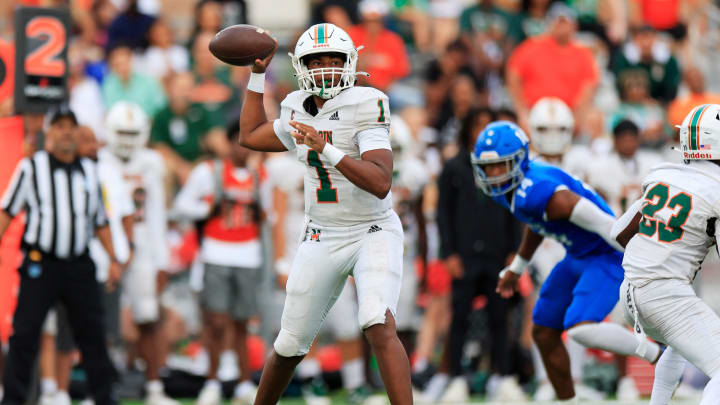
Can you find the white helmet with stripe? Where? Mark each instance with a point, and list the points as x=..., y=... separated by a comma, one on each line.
x=551, y=126
x=127, y=129
x=325, y=38
x=700, y=133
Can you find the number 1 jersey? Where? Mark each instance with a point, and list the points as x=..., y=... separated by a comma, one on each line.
x=679, y=211
x=355, y=121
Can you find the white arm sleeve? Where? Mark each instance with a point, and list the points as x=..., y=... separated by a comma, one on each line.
x=373, y=138
x=190, y=202
x=625, y=219
x=283, y=135
x=590, y=217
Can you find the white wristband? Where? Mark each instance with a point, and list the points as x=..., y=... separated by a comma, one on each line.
x=518, y=265
x=257, y=82
x=282, y=266
x=333, y=154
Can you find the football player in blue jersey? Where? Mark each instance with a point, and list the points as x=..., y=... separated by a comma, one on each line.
x=583, y=288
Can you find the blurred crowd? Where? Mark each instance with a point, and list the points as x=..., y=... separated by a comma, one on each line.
x=628, y=71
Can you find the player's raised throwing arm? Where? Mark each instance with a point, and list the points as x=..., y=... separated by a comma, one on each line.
x=256, y=132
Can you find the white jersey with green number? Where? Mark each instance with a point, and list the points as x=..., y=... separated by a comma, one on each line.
x=677, y=228
x=355, y=121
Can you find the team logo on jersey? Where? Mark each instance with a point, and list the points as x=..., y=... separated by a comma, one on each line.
x=335, y=116
x=315, y=235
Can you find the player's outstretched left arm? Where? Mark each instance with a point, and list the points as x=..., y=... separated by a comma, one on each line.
x=566, y=205
x=373, y=173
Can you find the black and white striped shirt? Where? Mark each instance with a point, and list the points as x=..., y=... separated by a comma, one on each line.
x=63, y=203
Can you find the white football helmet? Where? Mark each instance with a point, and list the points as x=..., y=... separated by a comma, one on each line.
x=551, y=126
x=400, y=138
x=700, y=133
x=127, y=128
x=325, y=38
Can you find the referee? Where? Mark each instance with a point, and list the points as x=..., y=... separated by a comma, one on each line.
x=61, y=197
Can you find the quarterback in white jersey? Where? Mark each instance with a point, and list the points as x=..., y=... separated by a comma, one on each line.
x=143, y=169
x=340, y=132
x=668, y=233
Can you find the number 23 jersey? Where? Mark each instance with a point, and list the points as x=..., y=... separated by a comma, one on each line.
x=355, y=121
x=680, y=205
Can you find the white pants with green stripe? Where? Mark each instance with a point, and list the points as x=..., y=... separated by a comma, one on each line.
x=371, y=252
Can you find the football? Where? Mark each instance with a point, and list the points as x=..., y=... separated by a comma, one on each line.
x=241, y=44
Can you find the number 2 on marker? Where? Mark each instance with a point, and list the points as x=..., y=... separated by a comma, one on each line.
x=44, y=60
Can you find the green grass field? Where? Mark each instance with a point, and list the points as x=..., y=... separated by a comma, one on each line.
x=339, y=400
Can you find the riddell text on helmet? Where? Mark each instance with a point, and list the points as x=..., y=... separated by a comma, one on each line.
x=696, y=155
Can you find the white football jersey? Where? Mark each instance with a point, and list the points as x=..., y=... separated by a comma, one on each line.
x=620, y=180
x=682, y=202
x=144, y=174
x=354, y=121
x=410, y=177
x=118, y=205
x=287, y=174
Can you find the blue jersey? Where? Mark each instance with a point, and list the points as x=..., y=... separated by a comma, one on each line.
x=531, y=197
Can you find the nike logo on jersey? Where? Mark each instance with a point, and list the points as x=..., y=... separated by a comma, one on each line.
x=335, y=116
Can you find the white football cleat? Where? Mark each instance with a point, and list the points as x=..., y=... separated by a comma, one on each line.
x=508, y=390
x=436, y=387
x=544, y=392
x=159, y=398
x=47, y=399
x=245, y=393
x=584, y=392
x=211, y=394
x=62, y=398
x=627, y=390
x=457, y=391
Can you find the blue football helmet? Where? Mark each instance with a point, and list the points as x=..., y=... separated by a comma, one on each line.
x=500, y=142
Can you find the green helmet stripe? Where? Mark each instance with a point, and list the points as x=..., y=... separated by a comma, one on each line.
x=694, y=126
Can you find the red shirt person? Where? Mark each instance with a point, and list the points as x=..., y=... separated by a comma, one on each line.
x=384, y=55
x=552, y=65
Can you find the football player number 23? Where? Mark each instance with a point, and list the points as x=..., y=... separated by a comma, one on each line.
x=657, y=199
x=44, y=60
x=325, y=193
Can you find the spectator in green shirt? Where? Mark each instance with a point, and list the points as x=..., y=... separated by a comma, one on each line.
x=484, y=16
x=123, y=84
x=645, y=55
x=183, y=132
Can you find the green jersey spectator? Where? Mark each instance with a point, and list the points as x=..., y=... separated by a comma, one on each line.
x=484, y=16
x=654, y=59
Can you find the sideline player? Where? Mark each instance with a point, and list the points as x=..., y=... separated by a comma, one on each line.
x=341, y=133
x=128, y=130
x=582, y=288
x=667, y=233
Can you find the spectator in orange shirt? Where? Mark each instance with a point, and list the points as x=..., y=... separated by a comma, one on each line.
x=697, y=95
x=552, y=65
x=384, y=55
